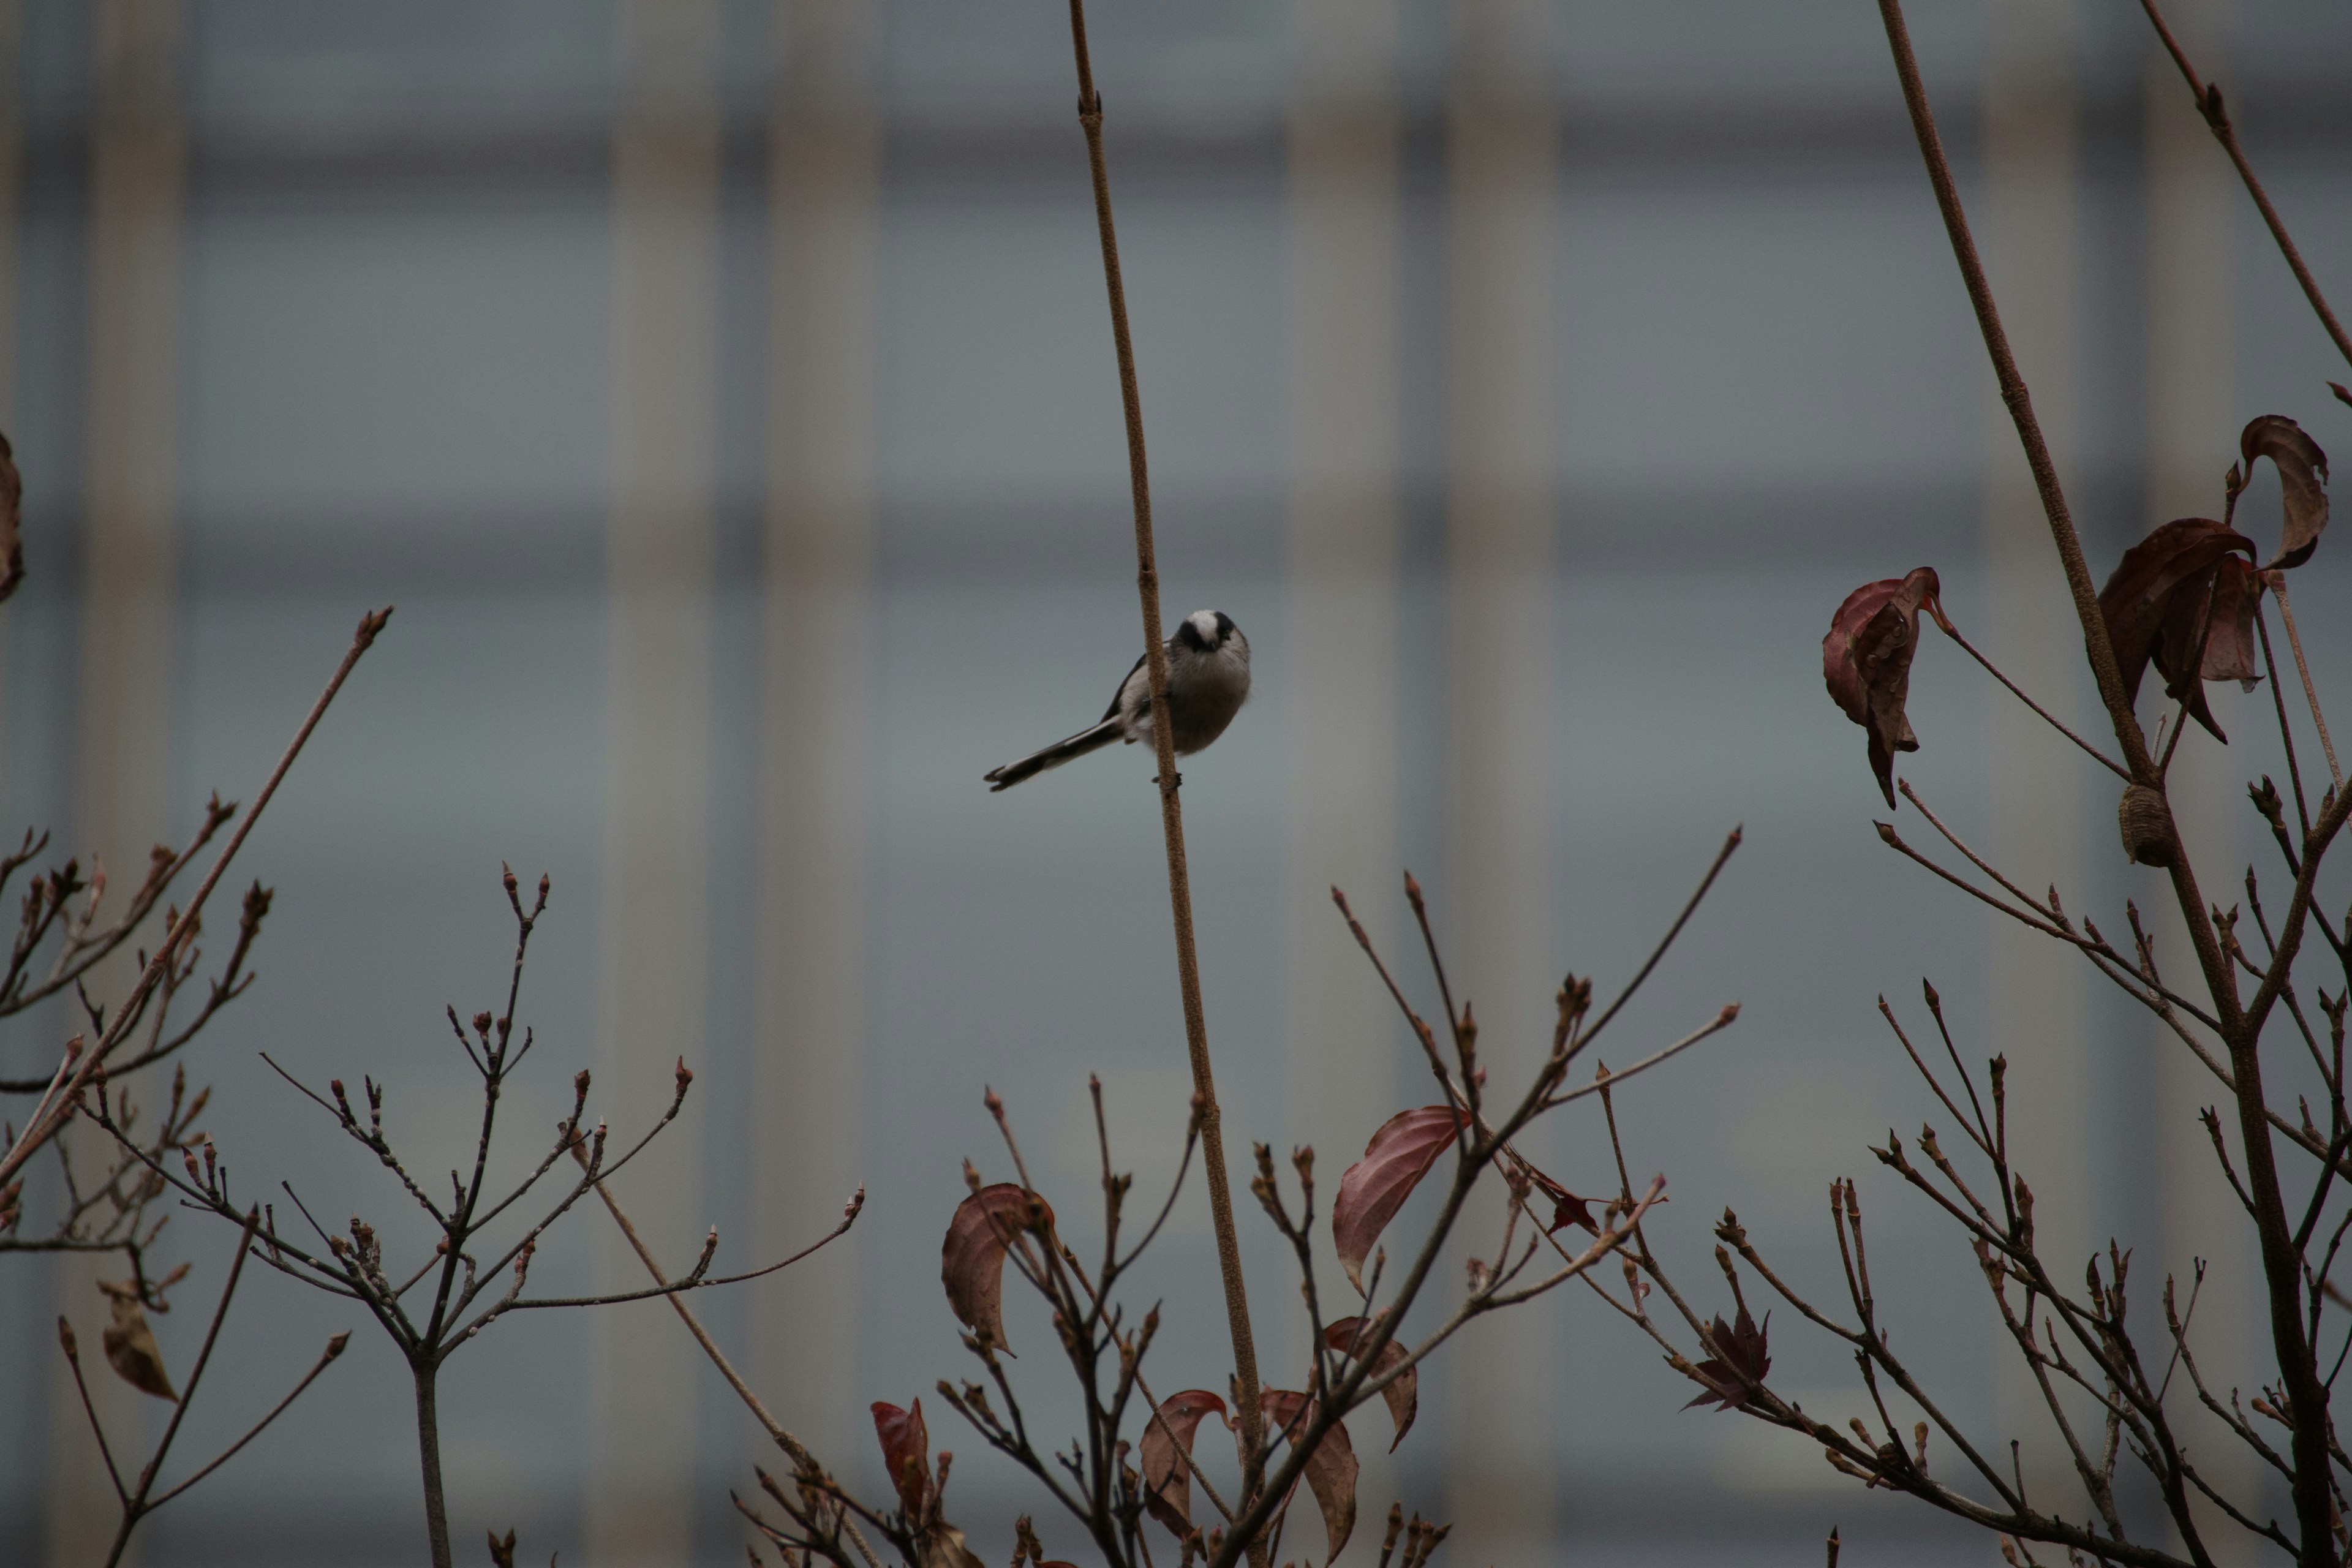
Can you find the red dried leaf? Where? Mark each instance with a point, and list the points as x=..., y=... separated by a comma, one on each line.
x=2229, y=647
x=906, y=1451
x=942, y=1546
x=2302, y=477
x=130, y=1344
x=971, y=1260
x=1403, y=1394
x=1167, y=1480
x=2154, y=605
x=1739, y=1347
x=1867, y=662
x=1376, y=1186
x=1567, y=1208
x=1330, y=1472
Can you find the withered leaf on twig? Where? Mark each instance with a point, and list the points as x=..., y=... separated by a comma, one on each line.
x=1867, y=662
x=131, y=1348
x=1738, y=1349
x=1567, y=1208
x=906, y=1450
x=1167, y=1480
x=2303, y=478
x=1330, y=1472
x=943, y=1546
x=1376, y=1186
x=1403, y=1392
x=2155, y=608
x=971, y=1260
x=12, y=544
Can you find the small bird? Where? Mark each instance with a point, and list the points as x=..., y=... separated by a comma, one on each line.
x=1208, y=681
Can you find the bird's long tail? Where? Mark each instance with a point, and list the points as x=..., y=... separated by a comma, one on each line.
x=1055, y=755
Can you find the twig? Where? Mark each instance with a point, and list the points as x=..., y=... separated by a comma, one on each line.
x=50, y=1113
x=1171, y=815
x=2096, y=755
x=2277, y=580
x=792, y=1446
x=2217, y=119
x=1591, y=1032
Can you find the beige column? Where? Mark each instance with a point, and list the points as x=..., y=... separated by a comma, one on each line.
x=809, y=960
x=2036, y=1013
x=655, y=922
x=1341, y=1026
x=1502, y=261
x=2193, y=425
x=124, y=766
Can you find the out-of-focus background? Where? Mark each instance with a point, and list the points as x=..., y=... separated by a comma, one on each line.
x=722, y=392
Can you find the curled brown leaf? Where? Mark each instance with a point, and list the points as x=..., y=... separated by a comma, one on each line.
x=1373, y=1188
x=2303, y=480
x=2155, y=605
x=906, y=1451
x=971, y=1259
x=1331, y=1468
x=943, y=1546
x=1403, y=1391
x=131, y=1348
x=1167, y=1479
x=1867, y=662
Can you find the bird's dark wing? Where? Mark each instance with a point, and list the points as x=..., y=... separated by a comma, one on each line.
x=1112, y=712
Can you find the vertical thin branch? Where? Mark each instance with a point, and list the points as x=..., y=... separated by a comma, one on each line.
x=428, y=1457
x=2277, y=583
x=1171, y=815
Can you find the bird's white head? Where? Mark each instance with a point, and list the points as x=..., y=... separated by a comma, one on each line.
x=1207, y=626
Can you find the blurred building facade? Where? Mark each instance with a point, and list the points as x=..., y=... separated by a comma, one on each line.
x=722, y=390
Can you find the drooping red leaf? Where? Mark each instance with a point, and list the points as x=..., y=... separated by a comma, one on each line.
x=130, y=1343
x=1330, y=1472
x=1403, y=1392
x=1376, y=1186
x=1740, y=1347
x=971, y=1259
x=1167, y=1480
x=2225, y=597
x=2302, y=479
x=1567, y=1208
x=906, y=1450
x=2154, y=603
x=1867, y=662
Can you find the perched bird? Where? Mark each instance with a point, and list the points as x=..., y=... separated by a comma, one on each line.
x=1208, y=681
